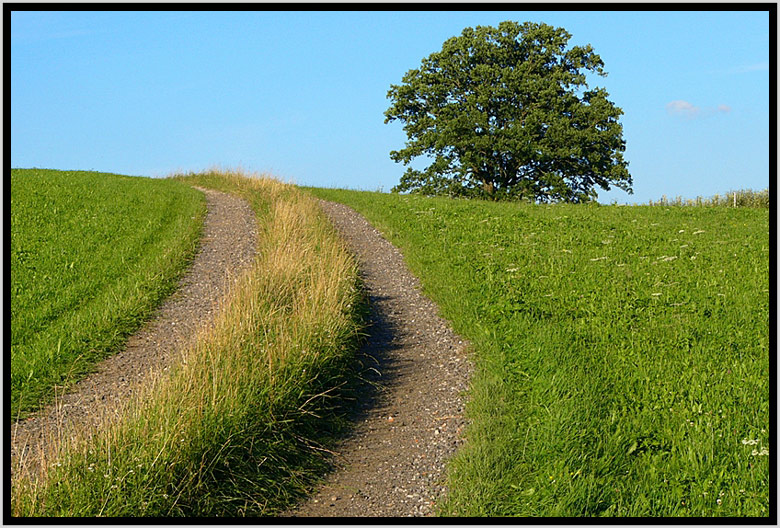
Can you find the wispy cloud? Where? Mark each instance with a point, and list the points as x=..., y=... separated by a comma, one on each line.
x=688, y=110
x=682, y=108
x=759, y=66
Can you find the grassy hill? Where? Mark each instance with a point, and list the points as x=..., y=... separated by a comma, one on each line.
x=622, y=352
x=92, y=255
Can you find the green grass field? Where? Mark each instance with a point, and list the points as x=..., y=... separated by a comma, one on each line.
x=92, y=255
x=622, y=352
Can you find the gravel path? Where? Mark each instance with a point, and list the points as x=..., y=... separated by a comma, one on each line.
x=410, y=423
x=228, y=246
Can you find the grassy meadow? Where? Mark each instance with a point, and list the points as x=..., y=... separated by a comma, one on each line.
x=240, y=427
x=622, y=352
x=92, y=255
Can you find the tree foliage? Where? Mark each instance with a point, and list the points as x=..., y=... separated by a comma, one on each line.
x=506, y=113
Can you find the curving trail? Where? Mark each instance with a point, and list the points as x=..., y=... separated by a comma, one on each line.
x=409, y=421
x=228, y=247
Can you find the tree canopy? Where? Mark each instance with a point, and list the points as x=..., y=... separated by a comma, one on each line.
x=506, y=113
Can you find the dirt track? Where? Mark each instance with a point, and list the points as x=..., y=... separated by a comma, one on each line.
x=394, y=463
x=408, y=422
x=228, y=246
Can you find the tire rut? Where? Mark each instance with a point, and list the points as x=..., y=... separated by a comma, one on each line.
x=228, y=246
x=410, y=420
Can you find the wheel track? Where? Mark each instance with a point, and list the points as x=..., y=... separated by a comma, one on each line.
x=410, y=423
x=228, y=246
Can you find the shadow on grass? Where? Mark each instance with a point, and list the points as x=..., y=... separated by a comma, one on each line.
x=371, y=374
x=285, y=461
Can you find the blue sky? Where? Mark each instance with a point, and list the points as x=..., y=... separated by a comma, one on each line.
x=301, y=95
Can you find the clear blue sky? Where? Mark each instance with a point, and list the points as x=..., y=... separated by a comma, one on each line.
x=302, y=94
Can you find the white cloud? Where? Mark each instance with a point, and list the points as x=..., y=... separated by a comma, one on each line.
x=682, y=108
x=689, y=110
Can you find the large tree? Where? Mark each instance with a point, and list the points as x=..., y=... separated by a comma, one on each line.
x=506, y=113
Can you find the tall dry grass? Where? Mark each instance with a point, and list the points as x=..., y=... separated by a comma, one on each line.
x=237, y=427
x=741, y=198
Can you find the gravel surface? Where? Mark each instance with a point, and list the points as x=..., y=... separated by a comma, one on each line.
x=410, y=421
x=228, y=247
